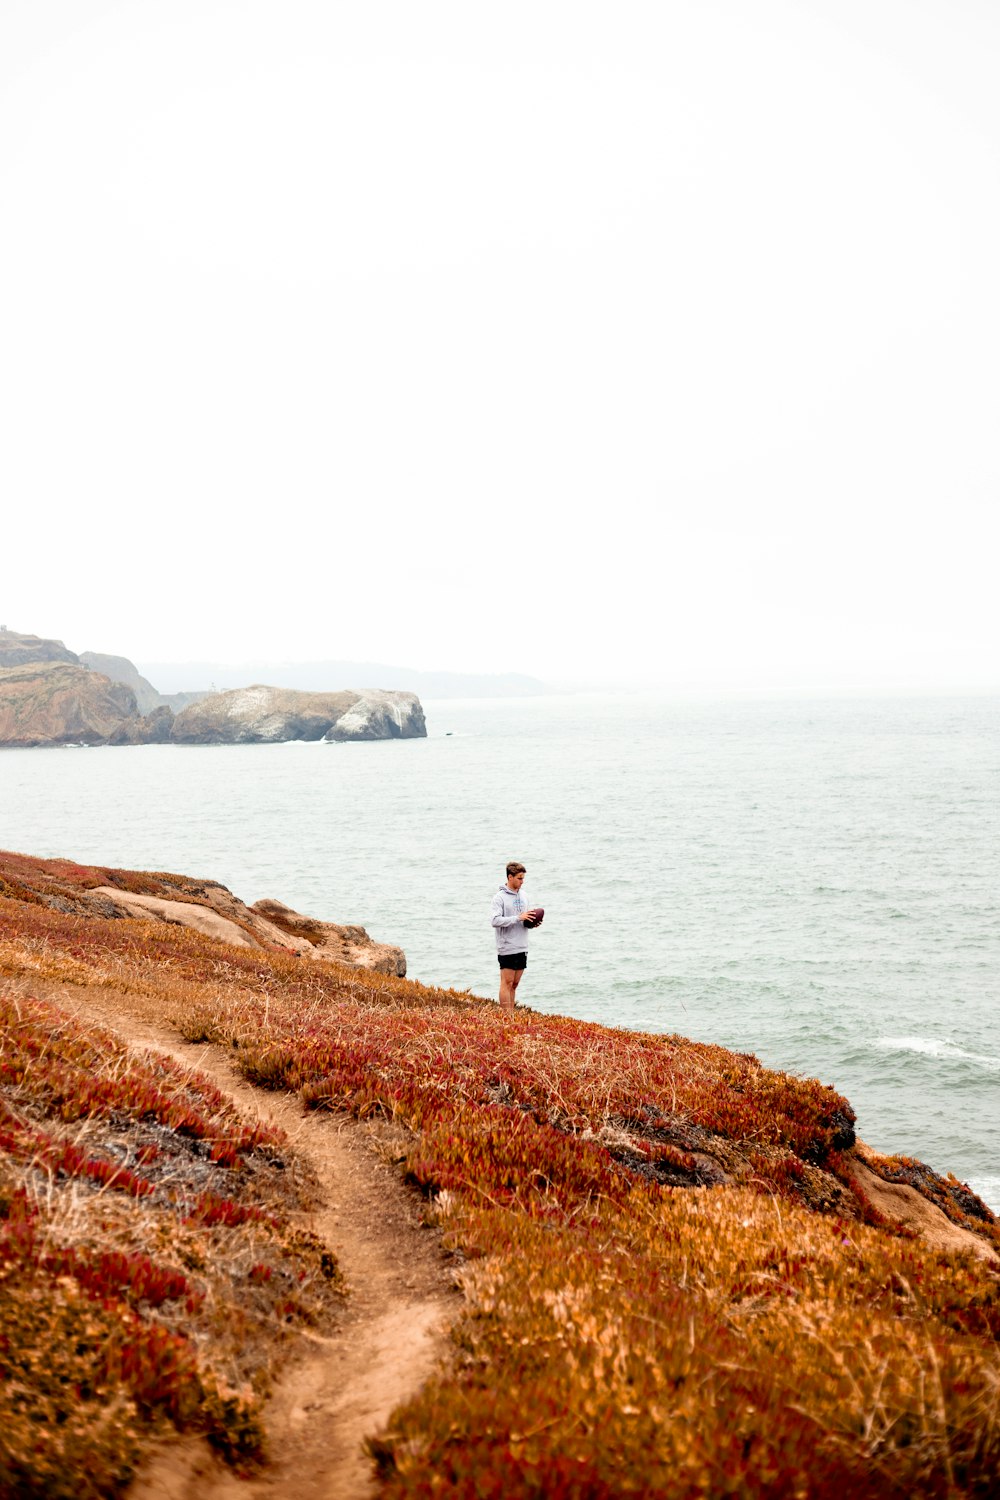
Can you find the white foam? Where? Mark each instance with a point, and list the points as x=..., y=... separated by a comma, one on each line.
x=936, y=1047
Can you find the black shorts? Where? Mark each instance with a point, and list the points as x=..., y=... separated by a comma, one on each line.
x=512, y=960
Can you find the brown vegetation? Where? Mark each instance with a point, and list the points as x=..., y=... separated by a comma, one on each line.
x=148, y=1257
x=179, y=901
x=677, y=1283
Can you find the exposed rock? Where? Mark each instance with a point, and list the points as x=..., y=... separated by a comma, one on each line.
x=152, y=729
x=911, y=1207
x=259, y=714
x=378, y=715
x=204, y=905
x=181, y=913
x=55, y=702
x=263, y=715
x=342, y=945
x=228, y=920
x=49, y=696
x=17, y=650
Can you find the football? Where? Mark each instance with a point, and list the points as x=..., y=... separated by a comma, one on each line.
x=535, y=916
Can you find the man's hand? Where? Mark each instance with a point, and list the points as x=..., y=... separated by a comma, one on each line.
x=524, y=916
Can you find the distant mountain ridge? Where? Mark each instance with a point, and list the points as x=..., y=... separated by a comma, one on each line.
x=313, y=676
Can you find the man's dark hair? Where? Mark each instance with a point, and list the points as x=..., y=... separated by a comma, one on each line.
x=515, y=869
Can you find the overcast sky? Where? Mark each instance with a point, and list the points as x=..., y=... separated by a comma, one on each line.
x=657, y=342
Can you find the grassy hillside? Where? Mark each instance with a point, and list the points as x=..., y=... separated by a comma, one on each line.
x=147, y=1259
x=676, y=1281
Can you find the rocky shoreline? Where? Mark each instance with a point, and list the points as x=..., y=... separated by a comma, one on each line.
x=50, y=697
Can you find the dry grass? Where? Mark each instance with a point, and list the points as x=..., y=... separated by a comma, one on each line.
x=674, y=1289
x=148, y=1253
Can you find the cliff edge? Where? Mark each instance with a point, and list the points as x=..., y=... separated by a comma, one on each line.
x=681, y=1275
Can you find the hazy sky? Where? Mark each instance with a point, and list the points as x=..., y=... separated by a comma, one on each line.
x=655, y=341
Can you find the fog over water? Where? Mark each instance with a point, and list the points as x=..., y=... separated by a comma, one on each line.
x=646, y=344
x=811, y=880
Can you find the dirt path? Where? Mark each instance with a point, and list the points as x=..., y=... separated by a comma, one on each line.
x=394, y=1330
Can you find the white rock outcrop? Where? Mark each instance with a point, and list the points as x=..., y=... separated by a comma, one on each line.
x=379, y=715
x=268, y=715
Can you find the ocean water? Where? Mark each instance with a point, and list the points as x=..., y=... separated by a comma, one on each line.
x=813, y=881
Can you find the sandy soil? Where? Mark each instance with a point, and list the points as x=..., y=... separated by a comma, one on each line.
x=394, y=1329
x=907, y=1206
x=183, y=913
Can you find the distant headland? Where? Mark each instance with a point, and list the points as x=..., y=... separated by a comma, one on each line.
x=51, y=696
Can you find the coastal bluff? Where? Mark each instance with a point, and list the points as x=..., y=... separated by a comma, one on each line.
x=50, y=697
x=55, y=702
x=349, y=1229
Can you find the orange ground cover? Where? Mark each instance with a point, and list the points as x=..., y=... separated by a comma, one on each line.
x=142, y=1283
x=673, y=1288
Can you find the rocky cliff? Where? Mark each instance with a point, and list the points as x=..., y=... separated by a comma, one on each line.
x=60, y=703
x=49, y=696
x=17, y=649
x=146, y=729
x=262, y=715
x=379, y=715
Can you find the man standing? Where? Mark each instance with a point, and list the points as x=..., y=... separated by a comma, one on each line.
x=510, y=912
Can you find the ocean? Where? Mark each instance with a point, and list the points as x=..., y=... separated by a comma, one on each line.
x=814, y=881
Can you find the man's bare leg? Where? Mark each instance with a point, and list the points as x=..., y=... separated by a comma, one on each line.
x=509, y=981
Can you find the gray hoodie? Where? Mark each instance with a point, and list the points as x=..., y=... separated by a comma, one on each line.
x=512, y=935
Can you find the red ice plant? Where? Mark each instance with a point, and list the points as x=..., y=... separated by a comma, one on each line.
x=625, y=1335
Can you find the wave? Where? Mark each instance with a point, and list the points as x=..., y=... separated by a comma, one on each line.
x=935, y=1047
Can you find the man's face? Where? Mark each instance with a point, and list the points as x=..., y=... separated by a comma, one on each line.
x=516, y=881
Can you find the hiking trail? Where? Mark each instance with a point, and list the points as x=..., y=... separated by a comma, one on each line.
x=400, y=1299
